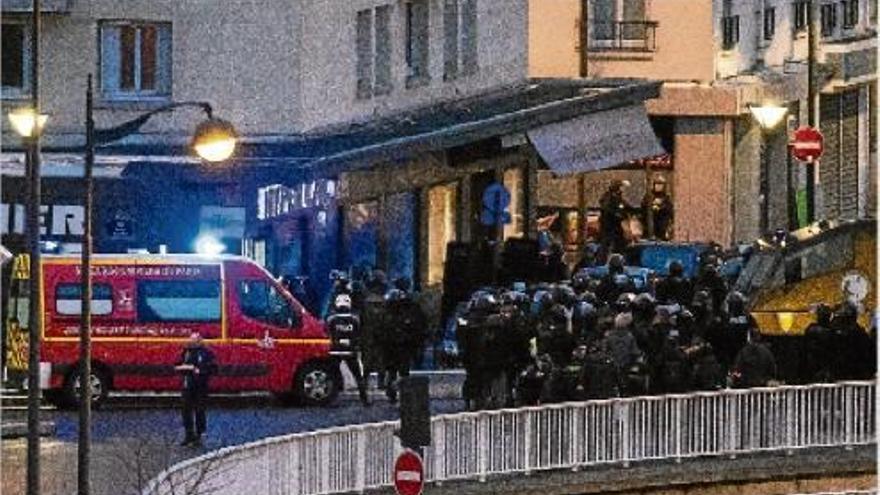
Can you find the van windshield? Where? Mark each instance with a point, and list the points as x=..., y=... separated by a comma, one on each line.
x=261, y=300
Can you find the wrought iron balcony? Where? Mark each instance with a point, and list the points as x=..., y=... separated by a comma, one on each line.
x=638, y=36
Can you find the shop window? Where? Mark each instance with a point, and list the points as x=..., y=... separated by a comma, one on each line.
x=361, y=229
x=442, y=226
x=68, y=299
x=400, y=219
x=178, y=300
x=515, y=183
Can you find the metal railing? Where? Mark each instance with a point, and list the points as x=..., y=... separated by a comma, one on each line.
x=571, y=435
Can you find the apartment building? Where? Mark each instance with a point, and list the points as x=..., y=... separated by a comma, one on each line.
x=718, y=57
x=370, y=128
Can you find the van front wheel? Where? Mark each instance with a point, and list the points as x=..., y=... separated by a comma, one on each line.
x=317, y=384
x=98, y=381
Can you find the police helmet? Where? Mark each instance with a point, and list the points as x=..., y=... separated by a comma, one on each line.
x=342, y=301
x=584, y=310
x=484, y=301
x=565, y=295
x=823, y=314
x=625, y=301
x=588, y=297
x=644, y=301
x=395, y=295
x=580, y=281
x=616, y=263
x=736, y=302
x=676, y=268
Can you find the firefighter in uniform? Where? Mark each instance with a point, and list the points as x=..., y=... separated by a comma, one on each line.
x=345, y=334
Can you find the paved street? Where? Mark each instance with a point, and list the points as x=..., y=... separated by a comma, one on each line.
x=132, y=445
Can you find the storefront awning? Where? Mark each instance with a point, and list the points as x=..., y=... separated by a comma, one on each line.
x=596, y=141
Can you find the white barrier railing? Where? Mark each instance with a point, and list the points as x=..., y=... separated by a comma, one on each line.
x=570, y=435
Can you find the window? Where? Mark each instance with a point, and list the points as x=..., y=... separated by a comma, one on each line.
x=459, y=38
x=621, y=24
x=417, y=38
x=178, y=300
x=850, y=13
x=135, y=60
x=68, y=299
x=769, y=23
x=262, y=301
x=729, y=32
x=514, y=181
x=16, y=59
x=373, y=52
x=442, y=227
x=801, y=15
x=829, y=19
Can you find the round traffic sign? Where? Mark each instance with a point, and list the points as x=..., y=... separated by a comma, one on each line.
x=409, y=474
x=808, y=144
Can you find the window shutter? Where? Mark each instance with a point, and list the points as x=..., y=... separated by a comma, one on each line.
x=469, y=37
x=165, y=60
x=110, y=58
x=364, y=53
x=450, y=39
x=382, y=65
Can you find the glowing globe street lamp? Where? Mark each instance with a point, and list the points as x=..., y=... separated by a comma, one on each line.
x=768, y=117
x=214, y=140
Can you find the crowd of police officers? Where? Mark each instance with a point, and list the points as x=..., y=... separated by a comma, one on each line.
x=596, y=338
x=588, y=338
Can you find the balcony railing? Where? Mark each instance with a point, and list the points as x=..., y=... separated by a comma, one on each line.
x=639, y=36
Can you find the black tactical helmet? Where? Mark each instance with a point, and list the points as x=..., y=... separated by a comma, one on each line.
x=588, y=297
x=616, y=263
x=484, y=300
x=644, y=301
x=580, y=281
x=823, y=314
x=736, y=303
x=565, y=295
x=676, y=269
x=625, y=301
x=395, y=295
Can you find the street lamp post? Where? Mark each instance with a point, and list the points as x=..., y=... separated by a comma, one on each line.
x=214, y=140
x=768, y=117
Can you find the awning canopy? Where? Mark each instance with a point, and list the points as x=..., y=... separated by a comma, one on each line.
x=596, y=141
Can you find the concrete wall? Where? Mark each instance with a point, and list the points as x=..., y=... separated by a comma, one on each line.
x=702, y=179
x=328, y=69
x=554, y=38
x=684, y=46
x=256, y=89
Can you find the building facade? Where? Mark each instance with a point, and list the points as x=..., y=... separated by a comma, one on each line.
x=370, y=129
x=717, y=58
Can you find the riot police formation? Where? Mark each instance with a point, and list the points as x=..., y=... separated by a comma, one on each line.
x=589, y=338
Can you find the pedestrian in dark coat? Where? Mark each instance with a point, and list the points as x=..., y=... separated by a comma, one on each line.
x=817, y=364
x=196, y=365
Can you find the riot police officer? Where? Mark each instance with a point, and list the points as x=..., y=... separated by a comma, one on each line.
x=345, y=335
x=405, y=323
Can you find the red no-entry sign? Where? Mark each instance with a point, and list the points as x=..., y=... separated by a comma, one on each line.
x=807, y=144
x=409, y=474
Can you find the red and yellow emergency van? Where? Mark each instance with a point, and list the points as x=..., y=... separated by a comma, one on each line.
x=144, y=309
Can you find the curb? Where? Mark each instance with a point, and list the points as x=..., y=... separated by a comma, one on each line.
x=20, y=429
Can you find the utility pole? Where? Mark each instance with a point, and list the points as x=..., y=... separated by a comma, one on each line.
x=85, y=331
x=812, y=120
x=35, y=305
